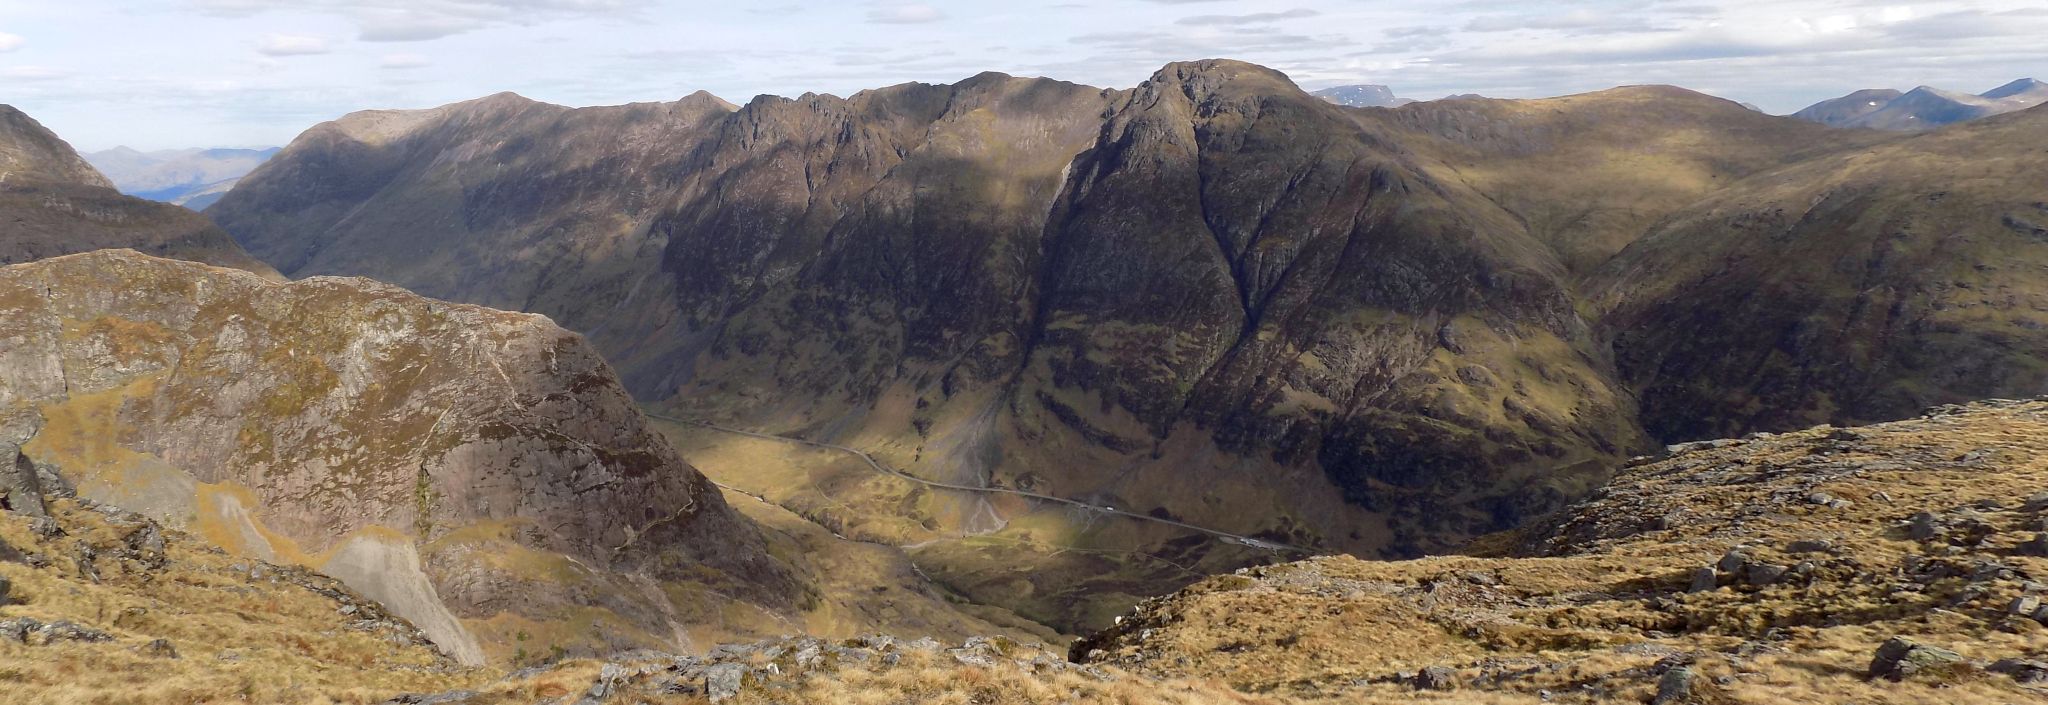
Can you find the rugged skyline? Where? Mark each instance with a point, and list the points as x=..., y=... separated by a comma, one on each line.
x=182, y=73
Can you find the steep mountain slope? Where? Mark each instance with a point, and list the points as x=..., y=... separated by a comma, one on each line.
x=1854, y=287
x=53, y=203
x=1224, y=279
x=1898, y=563
x=474, y=470
x=1588, y=174
x=177, y=176
x=1843, y=111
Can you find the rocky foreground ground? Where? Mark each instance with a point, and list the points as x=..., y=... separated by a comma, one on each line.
x=1898, y=563
x=1903, y=562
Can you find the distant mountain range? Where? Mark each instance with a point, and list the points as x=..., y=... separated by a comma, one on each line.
x=1923, y=108
x=1362, y=96
x=193, y=178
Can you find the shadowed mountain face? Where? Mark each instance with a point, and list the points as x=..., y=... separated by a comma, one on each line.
x=476, y=471
x=1213, y=296
x=1857, y=286
x=53, y=203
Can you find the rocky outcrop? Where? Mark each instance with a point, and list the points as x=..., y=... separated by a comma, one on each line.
x=20, y=490
x=55, y=204
x=453, y=461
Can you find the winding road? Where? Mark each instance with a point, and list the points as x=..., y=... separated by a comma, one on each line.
x=1248, y=541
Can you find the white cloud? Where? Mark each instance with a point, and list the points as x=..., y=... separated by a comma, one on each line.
x=422, y=20
x=293, y=45
x=33, y=73
x=403, y=61
x=910, y=13
x=10, y=42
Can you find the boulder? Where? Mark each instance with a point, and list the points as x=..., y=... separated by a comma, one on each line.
x=722, y=682
x=2036, y=546
x=1900, y=658
x=2027, y=671
x=1923, y=526
x=1732, y=562
x=1681, y=686
x=1704, y=579
x=1761, y=574
x=1436, y=678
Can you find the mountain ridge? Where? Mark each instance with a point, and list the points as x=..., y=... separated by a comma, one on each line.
x=1212, y=296
x=1924, y=107
x=55, y=203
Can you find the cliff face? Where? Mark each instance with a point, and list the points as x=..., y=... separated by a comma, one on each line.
x=459, y=464
x=54, y=203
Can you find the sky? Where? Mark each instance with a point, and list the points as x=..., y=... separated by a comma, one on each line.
x=159, y=74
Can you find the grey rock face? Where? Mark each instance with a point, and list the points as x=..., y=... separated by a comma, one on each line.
x=20, y=489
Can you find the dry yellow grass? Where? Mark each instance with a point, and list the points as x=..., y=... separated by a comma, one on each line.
x=244, y=631
x=1591, y=622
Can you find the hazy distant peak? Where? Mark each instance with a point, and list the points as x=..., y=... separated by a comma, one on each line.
x=1365, y=95
x=707, y=98
x=1924, y=107
x=2024, y=86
